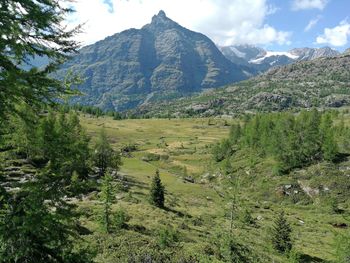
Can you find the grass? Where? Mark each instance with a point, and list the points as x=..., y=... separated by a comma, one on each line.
x=198, y=209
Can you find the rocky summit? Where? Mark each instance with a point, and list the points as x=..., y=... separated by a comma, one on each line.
x=162, y=60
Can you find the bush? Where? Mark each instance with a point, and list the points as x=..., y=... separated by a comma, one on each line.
x=120, y=219
x=225, y=248
x=167, y=237
x=222, y=150
x=246, y=217
x=149, y=157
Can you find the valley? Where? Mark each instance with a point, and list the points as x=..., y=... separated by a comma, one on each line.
x=201, y=209
x=141, y=140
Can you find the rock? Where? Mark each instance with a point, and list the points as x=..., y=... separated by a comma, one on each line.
x=118, y=197
x=266, y=205
x=308, y=190
x=339, y=225
x=189, y=179
x=203, y=181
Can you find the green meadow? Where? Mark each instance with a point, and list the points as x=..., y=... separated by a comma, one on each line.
x=198, y=203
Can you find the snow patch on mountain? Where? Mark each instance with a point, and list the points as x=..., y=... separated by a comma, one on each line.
x=237, y=52
x=271, y=54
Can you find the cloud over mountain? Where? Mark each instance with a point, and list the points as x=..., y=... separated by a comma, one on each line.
x=226, y=22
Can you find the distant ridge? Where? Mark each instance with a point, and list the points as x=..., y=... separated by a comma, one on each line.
x=262, y=60
x=322, y=82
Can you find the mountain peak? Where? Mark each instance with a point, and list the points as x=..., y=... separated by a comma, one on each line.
x=160, y=17
x=161, y=14
x=160, y=22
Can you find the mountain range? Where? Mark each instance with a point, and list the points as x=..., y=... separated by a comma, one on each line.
x=163, y=61
x=262, y=60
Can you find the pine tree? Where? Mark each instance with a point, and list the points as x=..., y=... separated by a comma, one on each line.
x=329, y=145
x=32, y=29
x=281, y=234
x=104, y=155
x=157, y=191
x=36, y=223
x=235, y=133
x=107, y=197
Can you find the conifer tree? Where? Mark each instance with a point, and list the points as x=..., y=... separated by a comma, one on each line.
x=329, y=145
x=104, y=155
x=31, y=29
x=107, y=197
x=36, y=223
x=281, y=234
x=235, y=133
x=157, y=191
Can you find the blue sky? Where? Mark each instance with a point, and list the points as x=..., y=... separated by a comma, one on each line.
x=274, y=24
x=295, y=21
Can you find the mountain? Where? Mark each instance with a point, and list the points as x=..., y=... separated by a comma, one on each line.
x=242, y=54
x=313, y=53
x=262, y=60
x=321, y=82
x=161, y=60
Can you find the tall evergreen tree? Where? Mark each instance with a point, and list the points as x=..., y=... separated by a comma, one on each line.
x=104, y=155
x=107, y=197
x=329, y=145
x=157, y=191
x=36, y=223
x=31, y=29
x=281, y=234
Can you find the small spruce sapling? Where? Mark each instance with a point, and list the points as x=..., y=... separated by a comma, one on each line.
x=157, y=191
x=281, y=234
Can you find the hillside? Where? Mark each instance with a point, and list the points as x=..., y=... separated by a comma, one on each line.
x=197, y=206
x=322, y=82
x=162, y=60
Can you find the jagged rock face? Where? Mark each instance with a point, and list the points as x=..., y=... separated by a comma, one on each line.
x=242, y=54
x=313, y=53
x=262, y=60
x=159, y=61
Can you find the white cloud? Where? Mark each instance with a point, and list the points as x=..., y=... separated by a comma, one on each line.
x=312, y=23
x=336, y=36
x=225, y=22
x=309, y=4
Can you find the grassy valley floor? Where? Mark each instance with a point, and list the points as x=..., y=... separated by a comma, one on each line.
x=198, y=206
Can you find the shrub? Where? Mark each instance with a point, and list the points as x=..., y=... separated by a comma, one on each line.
x=120, y=219
x=167, y=237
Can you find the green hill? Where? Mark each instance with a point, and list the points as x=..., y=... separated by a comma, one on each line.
x=322, y=83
